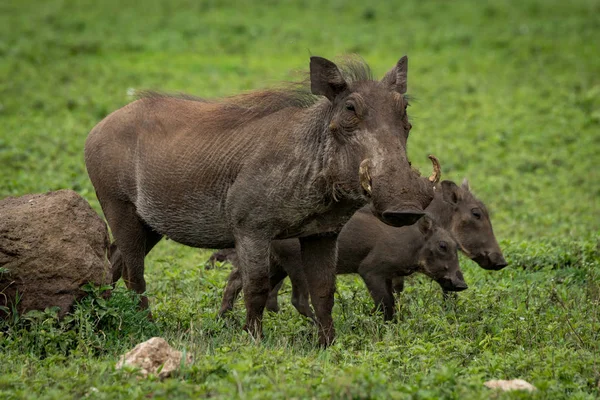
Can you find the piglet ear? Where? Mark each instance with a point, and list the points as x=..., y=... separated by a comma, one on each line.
x=326, y=79
x=396, y=78
x=450, y=192
x=426, y=225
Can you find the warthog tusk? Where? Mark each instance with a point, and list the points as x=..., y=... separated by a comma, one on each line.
x=437, y=170
x=365, y=178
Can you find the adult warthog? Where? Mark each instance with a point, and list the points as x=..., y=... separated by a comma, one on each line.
x=248, y=169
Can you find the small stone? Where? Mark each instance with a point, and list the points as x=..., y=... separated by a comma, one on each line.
x=151, y=355
x=513, y=384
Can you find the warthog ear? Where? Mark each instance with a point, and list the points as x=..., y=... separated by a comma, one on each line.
x=325, y=78
x=450, y=192
x=426, y=225
x=396, y=78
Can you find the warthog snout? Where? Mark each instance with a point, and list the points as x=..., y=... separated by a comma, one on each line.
x=410, y=193
x=453, y=284
x=498, y=261
x=459, y=286
x=411, y=216
x=492, y=261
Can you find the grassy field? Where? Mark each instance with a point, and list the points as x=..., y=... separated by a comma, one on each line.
x=507, y=94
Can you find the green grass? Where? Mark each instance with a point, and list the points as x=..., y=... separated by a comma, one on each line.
x=507, y=94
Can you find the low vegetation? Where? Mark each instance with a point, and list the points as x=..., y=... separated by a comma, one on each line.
x=504, y=93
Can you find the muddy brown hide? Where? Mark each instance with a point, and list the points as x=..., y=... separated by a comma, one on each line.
x=50, y=244
x=377, y=252
x=245, y=170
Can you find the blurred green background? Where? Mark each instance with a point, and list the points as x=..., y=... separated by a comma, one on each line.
x=507, y=93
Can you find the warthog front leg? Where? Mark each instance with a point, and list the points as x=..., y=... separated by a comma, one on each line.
x=319, y=257
x=253, y=263
x=276, y=276
x=300, y=299
x=231, y=292
x=398, y=284
x=380, y=289
x=234, y=285
x=272, y=303
x=300, y=293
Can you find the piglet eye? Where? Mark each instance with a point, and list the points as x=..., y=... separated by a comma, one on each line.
x=443, y=245
x=350, y=107
x=476, y=213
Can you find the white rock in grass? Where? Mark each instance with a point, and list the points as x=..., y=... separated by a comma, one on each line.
x=153, y=356
x=513, y=384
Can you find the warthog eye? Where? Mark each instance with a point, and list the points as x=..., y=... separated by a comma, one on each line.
x=476, y=213
x=443, y=245
x=350, y=107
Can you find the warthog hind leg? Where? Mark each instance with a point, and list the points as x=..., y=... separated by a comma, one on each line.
x=133, y=240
